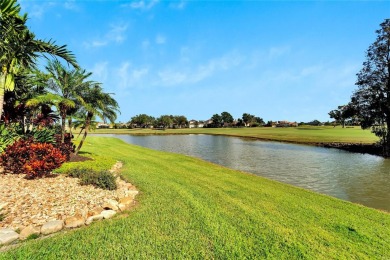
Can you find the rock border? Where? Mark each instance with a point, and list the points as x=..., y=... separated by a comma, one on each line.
x=9, y=236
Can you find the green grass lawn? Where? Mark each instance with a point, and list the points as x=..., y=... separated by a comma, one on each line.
x=303, y=134
x=189, y=208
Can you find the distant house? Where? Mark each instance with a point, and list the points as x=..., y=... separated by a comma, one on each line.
x=208, y=123
x=102, y=125
x=195, y=124
x=192, y=124
x=284, y=124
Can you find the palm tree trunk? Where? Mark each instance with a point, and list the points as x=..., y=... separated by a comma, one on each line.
x=80, y=133
x=1, y=99
x=63, y=122
x=2, y=92
x=386, y=143
x=87, y=125
x=70, y=126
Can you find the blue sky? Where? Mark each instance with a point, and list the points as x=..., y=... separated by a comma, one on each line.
x=280, y=60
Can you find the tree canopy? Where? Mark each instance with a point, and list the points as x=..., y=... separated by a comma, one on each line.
x=19, y=48
x=372, y=98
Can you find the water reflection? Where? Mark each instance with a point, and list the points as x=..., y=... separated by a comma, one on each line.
x=359, y=178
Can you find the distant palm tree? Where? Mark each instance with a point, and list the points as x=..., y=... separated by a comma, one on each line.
x=19, y=48
x=97, y=103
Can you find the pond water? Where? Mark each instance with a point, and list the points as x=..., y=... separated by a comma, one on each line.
x=360, y=178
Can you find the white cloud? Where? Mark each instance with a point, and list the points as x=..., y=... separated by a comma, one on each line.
x=142, y=4
x=37, y=11
x=128, y=76
x=278, y=51
x=178, y=4
x=100, y=71
x=170, y=77
x=99, y=43
x=177, y=76
x=116, y=34
x=71, y=5
x=160, y=39
x=264, y=57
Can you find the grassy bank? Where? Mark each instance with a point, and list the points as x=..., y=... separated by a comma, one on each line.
x=304, y=134
x=190, y=208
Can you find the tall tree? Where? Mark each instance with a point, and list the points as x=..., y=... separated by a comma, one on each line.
x=142, y=120
x=343, y=113
x=372, y=98
x=248, y=119
x=165, y=121
x=259, y=121
x=217, y=120
x=180, y=121
x=19, y=48
x=227, y=118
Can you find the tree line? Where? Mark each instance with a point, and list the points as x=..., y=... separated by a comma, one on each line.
x=225, y=119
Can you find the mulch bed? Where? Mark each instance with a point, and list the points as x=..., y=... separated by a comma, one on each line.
x=78, y=158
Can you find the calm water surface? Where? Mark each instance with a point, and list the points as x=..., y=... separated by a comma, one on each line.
x=359, y=178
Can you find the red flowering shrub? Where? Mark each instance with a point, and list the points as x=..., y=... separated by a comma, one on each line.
x=33, y=159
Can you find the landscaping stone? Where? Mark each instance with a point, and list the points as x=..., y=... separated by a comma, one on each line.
x=108, y=213
x=6, y=231
x=52, y=227
x=3, y=205
x=93, y=218
x=74, y=222
x=132, y=193
x=8, y=237
x=126, y=200
x=35, y=202
x=28, y=231
x=56, y=202
x=122, y=207
x=111, y=204
x=95, y=211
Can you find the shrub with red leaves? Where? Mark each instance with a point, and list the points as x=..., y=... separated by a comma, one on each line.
x=33, y=159
x=16, y=155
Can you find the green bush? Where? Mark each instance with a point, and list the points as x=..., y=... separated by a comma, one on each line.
x=8, y=135
x=101, y=179
x=43, y=135
x=78, y=172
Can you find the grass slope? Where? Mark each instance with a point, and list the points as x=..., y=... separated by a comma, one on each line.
x=189, y=208
x=303, y=134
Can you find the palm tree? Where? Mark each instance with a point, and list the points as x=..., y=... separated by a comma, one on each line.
x=67, y=84
x=19, y=48
x=97, y=103
x=80, y=120
x=14, y=108
x=50, y=99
